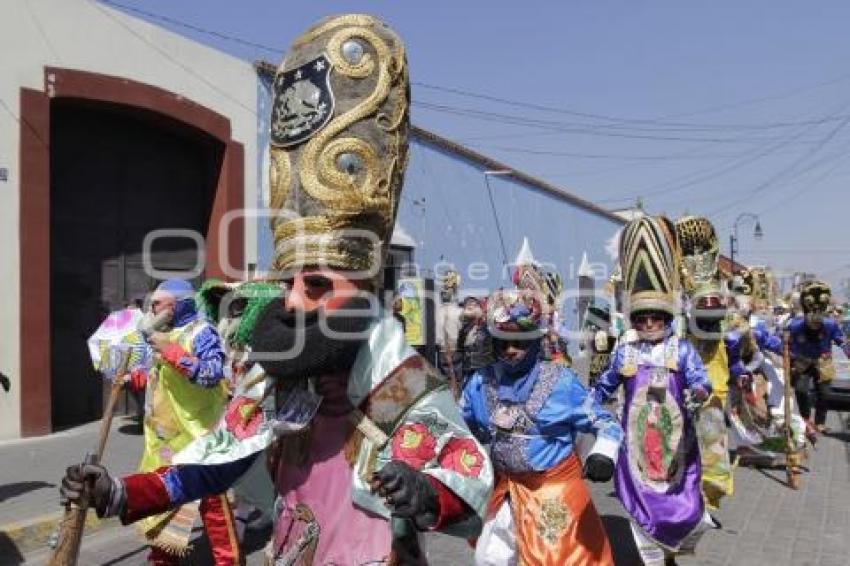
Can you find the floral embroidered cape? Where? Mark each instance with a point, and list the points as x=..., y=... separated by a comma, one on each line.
x=411, y=412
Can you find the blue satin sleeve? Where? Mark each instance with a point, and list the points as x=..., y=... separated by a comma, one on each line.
x=571, y=409
x=208, y=358
x=767, y=341
x=474, y=409
x=836, y=336
x=732, y=340
x=691, y=365
x=189, y=482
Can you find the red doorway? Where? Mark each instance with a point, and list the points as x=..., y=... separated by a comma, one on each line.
x=210, y=172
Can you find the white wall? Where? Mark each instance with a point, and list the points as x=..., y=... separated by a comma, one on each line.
x=88, y=36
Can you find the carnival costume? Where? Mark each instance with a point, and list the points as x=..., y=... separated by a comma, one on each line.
x=365, y=441
x=235, y=309
x=530, y=413
x=474, y=343
x=448, y=326
x=658, y=477
x=812, y=338
x=756, y=405
x=601, y=339
x=547, y=286
x=184, y=400
x=700, y=249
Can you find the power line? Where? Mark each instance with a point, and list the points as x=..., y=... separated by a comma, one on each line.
x=566, y=127
x=768, y=182
x=808, y=187
x=686, y=156
x=168, y=56
x=616, y=120
x=44, y=37
x=747, y=158
x=22, y=121
x=198, y=29
x=614, y=128
x=496, y=218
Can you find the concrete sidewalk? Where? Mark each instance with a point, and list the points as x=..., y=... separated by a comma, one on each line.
x=32, y=469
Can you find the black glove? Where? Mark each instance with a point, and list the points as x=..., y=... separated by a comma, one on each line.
x=408, y=493
x=598, y=468
x=90, y=484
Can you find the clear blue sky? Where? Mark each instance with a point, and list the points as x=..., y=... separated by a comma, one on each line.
x=712, y=108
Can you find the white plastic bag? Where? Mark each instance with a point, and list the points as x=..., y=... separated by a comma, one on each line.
x=497, y=543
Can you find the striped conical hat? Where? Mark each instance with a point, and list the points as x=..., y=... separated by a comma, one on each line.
x=649, y=259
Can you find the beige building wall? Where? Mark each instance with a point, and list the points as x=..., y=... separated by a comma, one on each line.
x=87, y=36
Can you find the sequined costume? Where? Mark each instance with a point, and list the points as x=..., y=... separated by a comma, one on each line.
x=658, y=477
x=700, y=274
x=812, y=338
x=366, y=402
x=325, y=511
x=659, y=470
x=530, y=417
x=184, y=400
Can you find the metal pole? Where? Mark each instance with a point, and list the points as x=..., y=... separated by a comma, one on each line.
x=732, y=251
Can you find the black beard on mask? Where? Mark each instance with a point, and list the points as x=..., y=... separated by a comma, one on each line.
x=709, y=324
x=279, y=330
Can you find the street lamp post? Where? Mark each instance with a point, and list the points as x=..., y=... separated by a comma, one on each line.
x=733, y=236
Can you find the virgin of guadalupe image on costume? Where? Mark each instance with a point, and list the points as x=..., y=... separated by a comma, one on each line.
x=656, y=434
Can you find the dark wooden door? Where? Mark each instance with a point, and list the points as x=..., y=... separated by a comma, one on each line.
x=116, y=174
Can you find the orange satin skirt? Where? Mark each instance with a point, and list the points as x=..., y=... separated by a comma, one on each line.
x=555, y=520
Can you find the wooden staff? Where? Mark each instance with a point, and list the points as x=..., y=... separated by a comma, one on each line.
x=70, y=531
x=454, y=382
x=792, y=455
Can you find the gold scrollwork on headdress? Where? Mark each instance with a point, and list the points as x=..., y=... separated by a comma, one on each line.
x=700, y=250
x=280, y=175
x=335, y=183
x=318, y=168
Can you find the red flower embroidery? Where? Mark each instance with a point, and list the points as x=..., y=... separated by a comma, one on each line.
x=243, y=417
x=461, y=455
x=413, y=444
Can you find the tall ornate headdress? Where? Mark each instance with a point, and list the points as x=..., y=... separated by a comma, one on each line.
x=761, y=283
x=529, y=275
x=700, y=250
x=449, y=283
x=515, y=314
x=815, y=297
x=339, y=130
x=649, y=260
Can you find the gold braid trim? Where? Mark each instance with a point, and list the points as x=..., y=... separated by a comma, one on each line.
x=317, y=167
x=336, y=22
x=280, y=176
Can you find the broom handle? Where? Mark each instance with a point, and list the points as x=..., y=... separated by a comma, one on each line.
x=70, y=531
